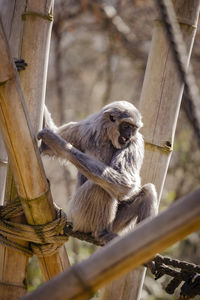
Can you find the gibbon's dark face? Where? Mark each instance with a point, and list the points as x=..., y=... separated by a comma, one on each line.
x=122, y=122
x=126, y=131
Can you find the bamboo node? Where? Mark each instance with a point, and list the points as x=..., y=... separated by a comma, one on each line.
x=12, y=284
x=39, y=199
x=3, y=82
x=167, y=147
x=48, y=17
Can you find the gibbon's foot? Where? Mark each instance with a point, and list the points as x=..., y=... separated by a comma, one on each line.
x=106, y=236
x=20, y=64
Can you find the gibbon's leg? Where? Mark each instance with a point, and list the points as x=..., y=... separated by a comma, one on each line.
x=140, y=207
x=135, y=210
x=115, y=183
x=91, y=209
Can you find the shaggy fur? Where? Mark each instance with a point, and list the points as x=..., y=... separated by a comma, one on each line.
x=109, y=196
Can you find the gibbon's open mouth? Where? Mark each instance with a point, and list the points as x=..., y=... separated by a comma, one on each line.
x=122, y=140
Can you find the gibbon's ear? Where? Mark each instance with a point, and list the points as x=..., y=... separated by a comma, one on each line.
x=112, y=118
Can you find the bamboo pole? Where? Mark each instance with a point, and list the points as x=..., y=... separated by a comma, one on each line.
x=13, y=268
x=123, y=254
x=3, y=168
x=162, y=84
x=162, y=93
x=21, y=144
x=13, y=264
x=159, y=104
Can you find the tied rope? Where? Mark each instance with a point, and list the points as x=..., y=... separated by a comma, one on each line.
x=44, y=240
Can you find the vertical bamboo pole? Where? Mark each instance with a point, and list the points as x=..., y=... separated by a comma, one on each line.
x=162, y=93
x=13, y=264
x=3, y=169
x=28, y=28
x=3, y=159
x=159, y=104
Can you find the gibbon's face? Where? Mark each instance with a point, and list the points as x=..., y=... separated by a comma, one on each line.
x=123, y=122
x=126, y=131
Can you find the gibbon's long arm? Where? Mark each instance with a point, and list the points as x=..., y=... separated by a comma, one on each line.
x=116, y=184
x=67, y=131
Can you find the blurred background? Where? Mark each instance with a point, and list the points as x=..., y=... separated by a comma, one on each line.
x=94, y=60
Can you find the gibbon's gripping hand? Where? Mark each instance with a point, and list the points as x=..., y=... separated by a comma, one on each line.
x=52, y=144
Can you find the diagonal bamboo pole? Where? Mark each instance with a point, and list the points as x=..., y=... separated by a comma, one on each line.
x=159, y=104
x=123, y=254
x=24, y=157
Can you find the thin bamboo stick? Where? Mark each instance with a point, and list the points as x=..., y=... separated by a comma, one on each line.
x=159, y=104
x=123, y=254
x=24, y=156
x=3, y=168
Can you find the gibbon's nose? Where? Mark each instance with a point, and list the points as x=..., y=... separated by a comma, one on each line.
x=122, y=140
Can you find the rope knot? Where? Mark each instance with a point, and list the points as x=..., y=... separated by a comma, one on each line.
x=44, y=239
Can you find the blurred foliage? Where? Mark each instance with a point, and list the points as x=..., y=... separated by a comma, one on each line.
x=93, y=63
x=34, y=274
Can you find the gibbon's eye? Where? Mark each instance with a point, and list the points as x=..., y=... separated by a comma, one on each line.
x=134, y=126
x=125, y=125
x=112, y=118
x=131, y=126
